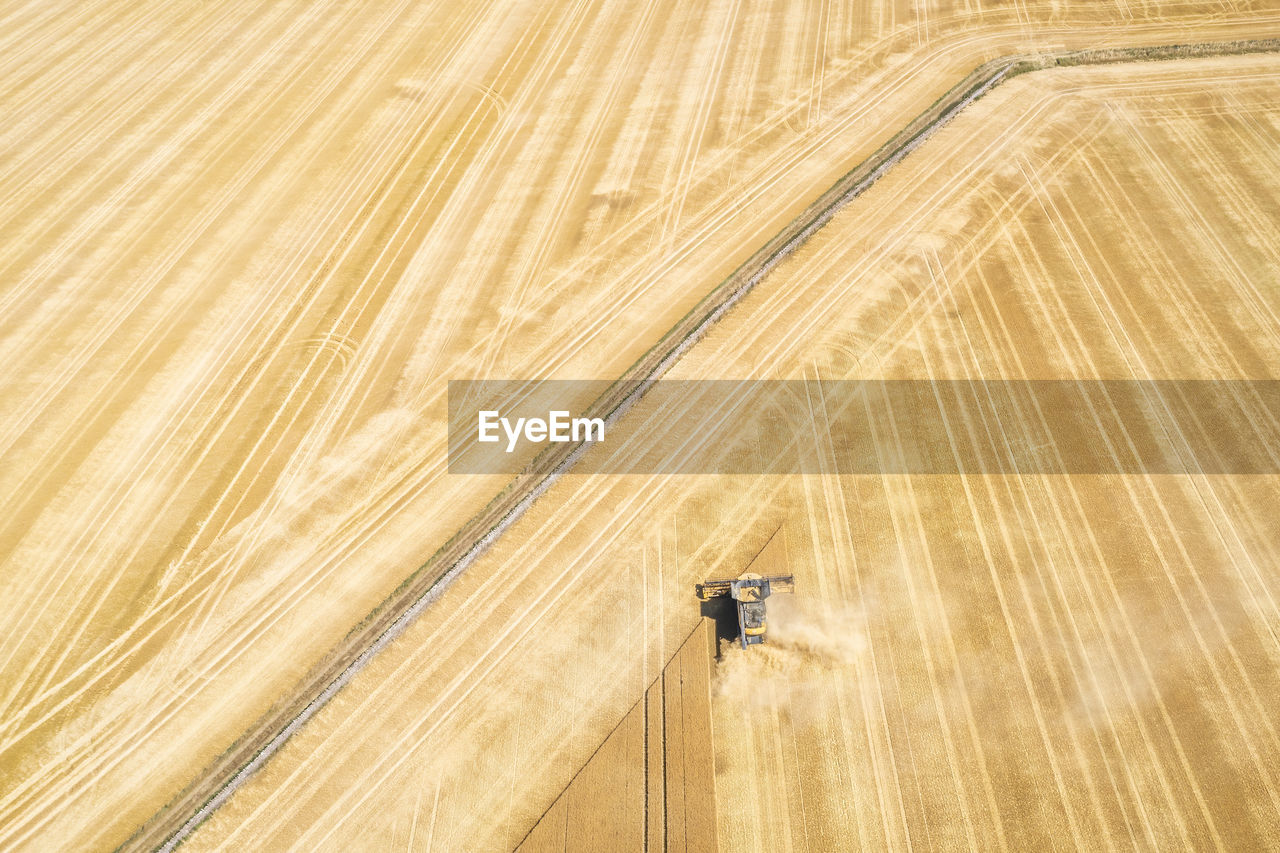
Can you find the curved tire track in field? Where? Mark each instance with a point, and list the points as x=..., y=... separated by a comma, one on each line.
x=191, y=807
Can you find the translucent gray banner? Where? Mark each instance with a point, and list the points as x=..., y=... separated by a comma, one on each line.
x=952, y=426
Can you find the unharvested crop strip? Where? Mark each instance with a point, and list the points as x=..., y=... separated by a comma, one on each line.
x=642, y=703
x=210, y=789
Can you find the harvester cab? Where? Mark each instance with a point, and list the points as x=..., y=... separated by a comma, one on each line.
x=749, y=591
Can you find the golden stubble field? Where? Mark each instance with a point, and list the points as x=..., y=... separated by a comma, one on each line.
x=245, y=246
x=1019, y=662
x=989, y=662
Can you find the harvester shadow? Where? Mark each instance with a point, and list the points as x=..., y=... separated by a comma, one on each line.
x=724, y=612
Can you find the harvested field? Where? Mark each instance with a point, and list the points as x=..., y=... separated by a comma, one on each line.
x=981, y=661
x=1036, y=661
x=244, y=248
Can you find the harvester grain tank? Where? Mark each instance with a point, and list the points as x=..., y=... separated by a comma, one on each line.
x=749, y=592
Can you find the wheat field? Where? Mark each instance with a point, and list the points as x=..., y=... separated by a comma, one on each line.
x=982, y=661
x=246, y=245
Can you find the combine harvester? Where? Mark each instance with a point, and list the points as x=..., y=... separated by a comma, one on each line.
x=749, y=590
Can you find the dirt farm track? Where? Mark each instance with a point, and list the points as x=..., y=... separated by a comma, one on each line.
x=246, y=245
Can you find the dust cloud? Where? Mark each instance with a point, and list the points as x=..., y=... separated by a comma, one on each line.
x=812, y=648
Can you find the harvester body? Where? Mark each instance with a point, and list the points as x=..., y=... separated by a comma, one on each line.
x=748, y=592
